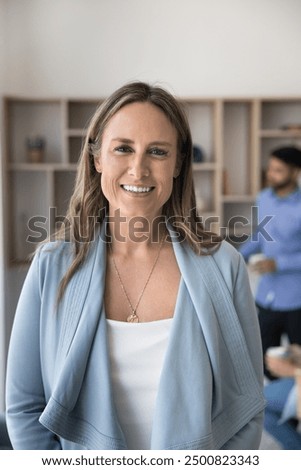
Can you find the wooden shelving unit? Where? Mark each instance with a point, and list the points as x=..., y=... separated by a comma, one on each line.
x=235, y=135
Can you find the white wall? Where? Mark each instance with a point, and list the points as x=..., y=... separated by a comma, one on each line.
x=193, y=47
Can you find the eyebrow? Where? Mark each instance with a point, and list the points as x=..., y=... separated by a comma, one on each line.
x=129, y=141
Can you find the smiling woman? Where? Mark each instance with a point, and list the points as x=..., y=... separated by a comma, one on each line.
x=139, y=165
x=135, y=329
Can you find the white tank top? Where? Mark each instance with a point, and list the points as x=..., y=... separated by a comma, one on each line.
x=136, y=352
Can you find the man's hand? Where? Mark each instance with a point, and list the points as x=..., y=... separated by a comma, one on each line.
x=280, y=367
x=285, y=366
x=264, y=266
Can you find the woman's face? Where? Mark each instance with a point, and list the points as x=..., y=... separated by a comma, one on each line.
x=138, y=160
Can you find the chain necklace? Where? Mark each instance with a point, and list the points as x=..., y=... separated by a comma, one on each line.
x=133, y=317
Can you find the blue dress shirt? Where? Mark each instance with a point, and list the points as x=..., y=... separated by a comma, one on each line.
x=280, y=290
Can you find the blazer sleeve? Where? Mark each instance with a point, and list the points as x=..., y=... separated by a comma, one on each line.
x=25, y=399
x=249, y=436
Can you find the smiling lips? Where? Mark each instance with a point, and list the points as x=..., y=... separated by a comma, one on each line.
x=137, y=189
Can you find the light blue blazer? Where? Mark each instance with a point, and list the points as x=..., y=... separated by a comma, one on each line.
x=59, y=391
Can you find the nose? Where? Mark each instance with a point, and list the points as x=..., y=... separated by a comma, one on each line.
x=138, y=167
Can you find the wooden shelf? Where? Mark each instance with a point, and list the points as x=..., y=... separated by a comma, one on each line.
x=42, y=167
x=237, y=198
x=76, y=133
x=204, y=166
x=235, y=135
x=279, y=133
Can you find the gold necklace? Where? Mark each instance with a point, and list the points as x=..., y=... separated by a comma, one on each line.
x=133, y=317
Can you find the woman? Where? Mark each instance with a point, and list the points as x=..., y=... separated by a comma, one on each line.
x=136, y=330
x=283, y=396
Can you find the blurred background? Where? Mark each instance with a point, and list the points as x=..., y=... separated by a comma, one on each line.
x=235, y=63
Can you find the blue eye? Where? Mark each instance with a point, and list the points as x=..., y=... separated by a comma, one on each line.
x=158, y=152
x=122, y=149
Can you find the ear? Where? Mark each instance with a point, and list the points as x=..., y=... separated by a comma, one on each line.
x=97, y=164
x=176, y=173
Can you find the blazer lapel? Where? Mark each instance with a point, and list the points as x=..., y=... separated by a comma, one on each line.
x=182, y=418
x=84, y=378
x=208, y=389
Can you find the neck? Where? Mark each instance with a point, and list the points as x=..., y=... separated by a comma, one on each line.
x=286, y=190
x=133, y=234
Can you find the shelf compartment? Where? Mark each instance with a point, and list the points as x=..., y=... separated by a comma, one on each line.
x=237, y=148
x=75, y=147
x=204, y=184
x=278, y=113
x=30, y=200
x=237, y=218
x=64, y=185
x=31, y=119
x=80, y=113
x=201, y=117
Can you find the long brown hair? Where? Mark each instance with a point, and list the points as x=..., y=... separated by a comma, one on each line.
x=88, y=204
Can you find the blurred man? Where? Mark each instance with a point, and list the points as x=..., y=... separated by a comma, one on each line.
x=278, y=295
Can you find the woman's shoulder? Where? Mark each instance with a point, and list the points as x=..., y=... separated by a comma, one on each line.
x=227, y=253
x=229, y=261
x=54, y=253
x=55, y=248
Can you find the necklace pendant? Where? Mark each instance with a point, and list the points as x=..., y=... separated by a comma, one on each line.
x=132, y=318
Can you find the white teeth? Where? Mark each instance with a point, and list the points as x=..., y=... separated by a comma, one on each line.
x=136, y=189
